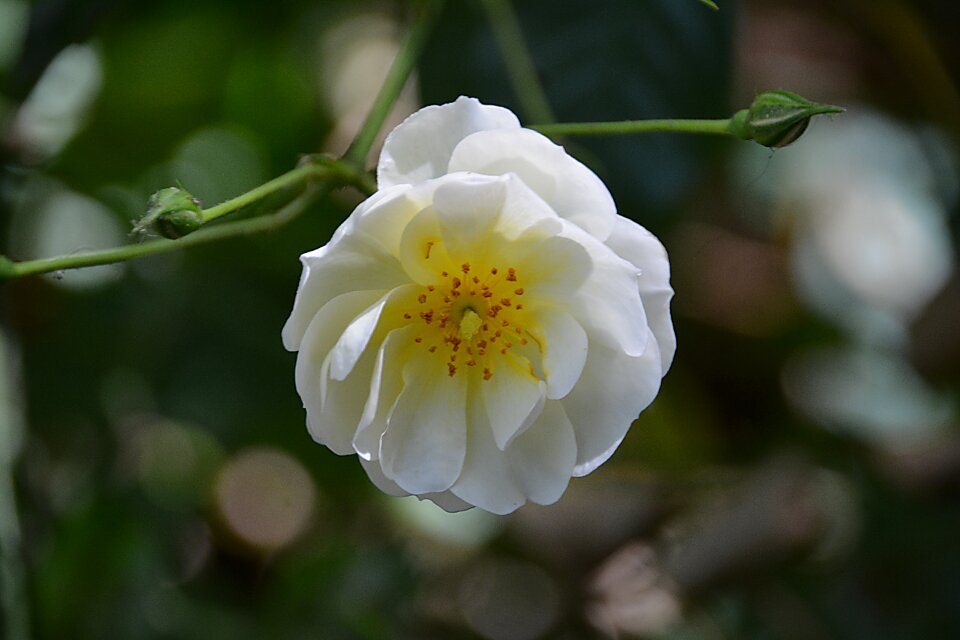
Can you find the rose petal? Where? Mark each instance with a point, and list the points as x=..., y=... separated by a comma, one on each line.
x=467, y=210
x=333, y=408
x=385, y=484
x=362, y=329
x=569, y=187
x=359, y=265
x=639, y=246
x=513, y=398
x=612, y=391
x=447, y=501
x=486, y=480
x=543, y=456
x=420, y=147
x=386, y=383
x=608, y=305
x=564, y=345
x=423, y=448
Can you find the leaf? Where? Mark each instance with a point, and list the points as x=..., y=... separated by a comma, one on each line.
x=711, y=4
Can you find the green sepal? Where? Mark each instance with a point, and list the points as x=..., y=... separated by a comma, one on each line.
x=777, y=118
x=172, y=212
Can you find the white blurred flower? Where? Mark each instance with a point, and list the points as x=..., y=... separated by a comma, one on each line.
x=485, y=326
x=870, y=196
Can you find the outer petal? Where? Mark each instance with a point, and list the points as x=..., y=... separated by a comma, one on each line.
x=542, y=457
x=611, y=393
x=372, y=324
x=569, y=187
x=639, y=246
x=333, y=408
x=420, y=147
x=423, y=447
x=487, y=480
x=348, y=263
x=386, y=383
x=385, y=484
x=447, y=501
x=608, y=305
x=513, y=398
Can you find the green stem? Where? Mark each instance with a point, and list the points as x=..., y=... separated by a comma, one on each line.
x=291, y=177
x=343, y=175
x=519, y=62
x=720, y=127
x=320, y=174
x=153, y=247
x=332, y=174
x=394, y=83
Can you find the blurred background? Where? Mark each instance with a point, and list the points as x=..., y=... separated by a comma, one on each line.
x=798, y=476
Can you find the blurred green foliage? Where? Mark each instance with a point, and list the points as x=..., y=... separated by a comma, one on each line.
x=138, y=391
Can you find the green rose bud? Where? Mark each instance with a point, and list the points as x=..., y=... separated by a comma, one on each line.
x=172, y=212
x=777, y=118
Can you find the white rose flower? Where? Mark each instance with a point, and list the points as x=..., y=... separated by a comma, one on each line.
x=485, y=326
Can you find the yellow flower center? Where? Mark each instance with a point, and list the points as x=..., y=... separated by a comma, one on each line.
x=470, y=324
x=471, y=318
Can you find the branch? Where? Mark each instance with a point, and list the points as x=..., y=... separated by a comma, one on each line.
x=320, y=175
x=629, y=127
x=775, y=119
x=10, y=269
